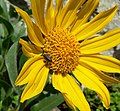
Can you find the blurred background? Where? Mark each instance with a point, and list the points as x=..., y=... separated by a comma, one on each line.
x=12, y=27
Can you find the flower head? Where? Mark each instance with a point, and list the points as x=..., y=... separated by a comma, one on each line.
x=63, y=44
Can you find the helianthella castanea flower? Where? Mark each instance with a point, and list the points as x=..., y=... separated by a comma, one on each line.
x=63, y=44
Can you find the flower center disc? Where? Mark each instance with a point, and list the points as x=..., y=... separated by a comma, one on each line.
x=62, y=51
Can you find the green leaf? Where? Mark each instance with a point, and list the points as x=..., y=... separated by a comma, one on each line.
x=0, y=45
x=2, y=96
x=7, y=88
x=22, y=60
x=7, y=25
x=5, y=46
x=11, y=63
x=19, y=31
x=0, y=105
x=4, y=9
x=1, y=62
x=5, y=85
x=1, y=10
x=6, y=104
x=48, y=103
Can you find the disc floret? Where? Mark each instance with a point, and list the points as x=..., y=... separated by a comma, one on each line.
x=62, y=49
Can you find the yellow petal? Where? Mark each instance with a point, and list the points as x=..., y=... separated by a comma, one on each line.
x=28, y=69
x=102, y=62
x=27, y=49
x=30, y=28
x=38, y=9
x=95, y=25
x=66, y=84
x=100, y=75
x=85, y=12
x=69, y=6
x=38, y=33
x=50, y=15
x=68, y=101
x=56, y=79
x=36, y=86
x=72, y=13
x=87, y=78
x=59, y=5
x=62, y=13
x=58, y=8
x=101, y=43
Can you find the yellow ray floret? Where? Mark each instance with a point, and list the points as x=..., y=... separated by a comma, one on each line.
x=98, y=72
x=87, y=78
x=38, y=8
x=25, y=74
x=63, y=44
x=84, y=14
x=101, y=43
x=95, y=25
x=102, y=62
x=37, y=84
x=74, y=92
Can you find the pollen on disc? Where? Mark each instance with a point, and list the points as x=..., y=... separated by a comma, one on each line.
x=63, y=49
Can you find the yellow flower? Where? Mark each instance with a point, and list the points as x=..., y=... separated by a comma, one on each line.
x=63, y=44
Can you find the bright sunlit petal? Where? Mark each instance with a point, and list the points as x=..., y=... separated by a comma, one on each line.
x=86, y=77
x=71, y=88
x=38, y=8
x=84, y=14
x=27, y=49
x=33, y=65
x=101, y=43
x=62, y=42
x=72, y=13
x=31, y=32
x=105, y=78
x=95, y=25
x=35, y=86
x=102, y=62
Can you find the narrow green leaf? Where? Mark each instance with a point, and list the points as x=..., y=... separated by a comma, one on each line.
x=48, y=103
x=11, y=63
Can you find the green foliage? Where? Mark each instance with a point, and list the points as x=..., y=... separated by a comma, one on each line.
x=8, y=58
x=12, y=60
x=96, y=104
x=11, y=63
x=48, y=103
